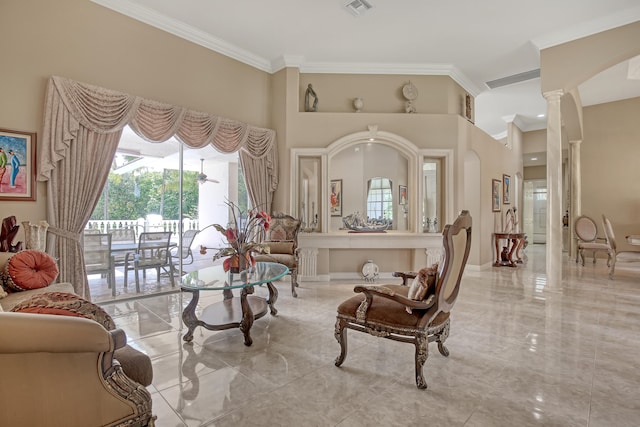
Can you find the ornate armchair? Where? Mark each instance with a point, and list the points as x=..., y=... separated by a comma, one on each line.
x=614, y=254
x=587, y=237
x=417, y=314
x=61, y=370
x=282, y=240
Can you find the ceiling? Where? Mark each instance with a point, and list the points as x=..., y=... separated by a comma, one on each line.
x=472, y=41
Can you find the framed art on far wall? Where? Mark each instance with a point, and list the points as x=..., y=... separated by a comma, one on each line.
x=402, y=193
x=495, y=195
x=506, y=189
x=17, y=165
x=335, y=200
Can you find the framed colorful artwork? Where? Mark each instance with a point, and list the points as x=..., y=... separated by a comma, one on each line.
x=335, y=198
x=17, y=165
x=506, y=189
x=402, y=191
x=495, y=195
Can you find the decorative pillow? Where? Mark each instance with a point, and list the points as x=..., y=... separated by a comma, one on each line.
x=30, y=270
x=281, y=247
x=65, y=304
x=424, y=284
x=4, y=258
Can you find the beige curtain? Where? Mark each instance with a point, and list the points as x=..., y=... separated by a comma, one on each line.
x=82, y=128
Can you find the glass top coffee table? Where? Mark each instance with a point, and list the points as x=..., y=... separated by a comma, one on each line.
x=233, y=311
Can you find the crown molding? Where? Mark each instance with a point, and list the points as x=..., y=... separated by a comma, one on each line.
x=285, y=61
x=204, y=39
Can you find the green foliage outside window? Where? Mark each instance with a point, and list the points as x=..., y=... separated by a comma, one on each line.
x=134, y=195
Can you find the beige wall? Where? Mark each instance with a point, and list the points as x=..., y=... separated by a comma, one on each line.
x=567, y=65
x=535, y=172
x=535, y=141
x=610, y=174
x=437, y=124
x=86, y=42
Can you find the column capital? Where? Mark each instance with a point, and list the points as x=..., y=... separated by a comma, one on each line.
x=553, y=95
x=576, y=142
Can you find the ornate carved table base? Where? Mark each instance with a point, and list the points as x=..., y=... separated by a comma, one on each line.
x=232, y=312
x=515, y=243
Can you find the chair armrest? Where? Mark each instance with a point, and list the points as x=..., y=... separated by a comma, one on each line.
x=384, y=292
x=34, y=333
x=130, y=256
x=405, y=276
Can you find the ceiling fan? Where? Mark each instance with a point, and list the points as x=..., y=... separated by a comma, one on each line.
x=201, y=177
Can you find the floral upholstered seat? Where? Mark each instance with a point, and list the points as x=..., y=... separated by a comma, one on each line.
x=282, y=241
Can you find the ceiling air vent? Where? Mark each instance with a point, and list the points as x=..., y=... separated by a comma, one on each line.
x=358, y=7
x=516, y=78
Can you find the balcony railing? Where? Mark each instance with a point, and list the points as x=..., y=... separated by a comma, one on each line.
x=141, y=225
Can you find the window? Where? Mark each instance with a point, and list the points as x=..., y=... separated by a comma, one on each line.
x=380, y=199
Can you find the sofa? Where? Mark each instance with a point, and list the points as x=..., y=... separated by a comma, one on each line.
x=68, y=371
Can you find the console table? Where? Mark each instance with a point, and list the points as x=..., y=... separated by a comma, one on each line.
x=232, y=312
x=515, y=243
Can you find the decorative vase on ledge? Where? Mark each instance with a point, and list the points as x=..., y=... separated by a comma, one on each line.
x=358, y=103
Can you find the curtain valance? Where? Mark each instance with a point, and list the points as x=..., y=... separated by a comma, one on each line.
x=82, y=128
x=71, y=104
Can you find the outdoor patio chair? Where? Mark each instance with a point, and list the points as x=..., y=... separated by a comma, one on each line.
x=185, y=252
x=98, y=258
x=153, y=252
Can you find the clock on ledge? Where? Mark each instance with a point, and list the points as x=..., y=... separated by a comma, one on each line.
x=370, y=271
x=409, y=91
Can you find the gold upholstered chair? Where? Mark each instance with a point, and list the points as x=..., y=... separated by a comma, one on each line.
x=616, y=255
x=588, y=240
x=282, y=240
x=417, y=314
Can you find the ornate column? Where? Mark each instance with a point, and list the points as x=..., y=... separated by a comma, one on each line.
x=576, y=193
x=308, y=260
x=554, y=187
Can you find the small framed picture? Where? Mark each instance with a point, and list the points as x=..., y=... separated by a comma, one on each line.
x=495, y=195
x=402, y=194
x=17, y=165
x=335, y=198
x=506, y=189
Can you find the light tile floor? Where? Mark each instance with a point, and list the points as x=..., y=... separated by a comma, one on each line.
x=524, y=352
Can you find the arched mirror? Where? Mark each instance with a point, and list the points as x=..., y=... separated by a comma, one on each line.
x=372, y=176
x=377, y=177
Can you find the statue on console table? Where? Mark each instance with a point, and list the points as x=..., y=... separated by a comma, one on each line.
x=8, y=233
x=512, y=221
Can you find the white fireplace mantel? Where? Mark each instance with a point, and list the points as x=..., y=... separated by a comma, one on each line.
x=310, y=243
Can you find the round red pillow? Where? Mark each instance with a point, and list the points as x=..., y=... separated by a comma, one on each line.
x=30, y=270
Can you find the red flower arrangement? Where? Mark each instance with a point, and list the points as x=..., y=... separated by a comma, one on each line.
x=241, y=236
